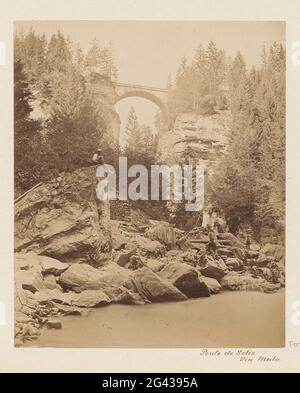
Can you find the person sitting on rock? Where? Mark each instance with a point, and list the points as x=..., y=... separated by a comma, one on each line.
x=98, y=158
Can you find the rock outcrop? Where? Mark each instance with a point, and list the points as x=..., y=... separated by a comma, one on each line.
x=199, y=137
x=60, y=219
x=185, y=278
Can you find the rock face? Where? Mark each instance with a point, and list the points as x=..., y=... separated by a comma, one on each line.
x=198, y=136
x=60, y=218
x=185, y=278
x=155, y=289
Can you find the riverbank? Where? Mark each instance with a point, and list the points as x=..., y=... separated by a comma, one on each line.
x=231, y=319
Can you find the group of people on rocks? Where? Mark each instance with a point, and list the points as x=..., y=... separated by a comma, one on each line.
x=214, y=223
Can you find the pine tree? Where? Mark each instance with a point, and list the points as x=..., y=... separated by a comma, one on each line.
x=181, y=72
x=142, y=143
x=58, y=56
x=25, y=131
x=249, y=182
x=93, y=57
x=134, y=137
x=75, y=127
x=101, y=60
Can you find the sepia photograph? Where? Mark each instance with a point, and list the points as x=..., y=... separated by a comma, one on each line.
x=149, y=183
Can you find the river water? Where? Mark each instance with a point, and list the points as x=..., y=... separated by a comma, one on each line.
x=230, y=319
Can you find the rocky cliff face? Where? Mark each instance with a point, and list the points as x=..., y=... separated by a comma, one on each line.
x=197, y=138
x=60, y=219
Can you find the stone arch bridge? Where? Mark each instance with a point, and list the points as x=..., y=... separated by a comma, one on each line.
x=154, y=94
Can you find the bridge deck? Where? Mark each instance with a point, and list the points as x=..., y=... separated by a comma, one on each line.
x=141, y=87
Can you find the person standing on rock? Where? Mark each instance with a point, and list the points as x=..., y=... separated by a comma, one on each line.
x=248, y=240
x=212, y=244
x=103, y=207
x=207, y=213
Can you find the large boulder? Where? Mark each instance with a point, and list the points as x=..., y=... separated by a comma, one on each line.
x=84, y=276
x=60, y=218
x=214, y=268
x=212, y=284
x=185, y=278
x=80, y=275
x=153, y=288
x=162, y=232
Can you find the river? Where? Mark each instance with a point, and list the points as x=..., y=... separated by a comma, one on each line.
x=230, y=319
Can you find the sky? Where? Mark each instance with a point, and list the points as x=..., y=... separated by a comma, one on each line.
x=146, y=52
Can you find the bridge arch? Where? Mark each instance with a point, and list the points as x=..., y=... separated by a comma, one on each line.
x=142, y=94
